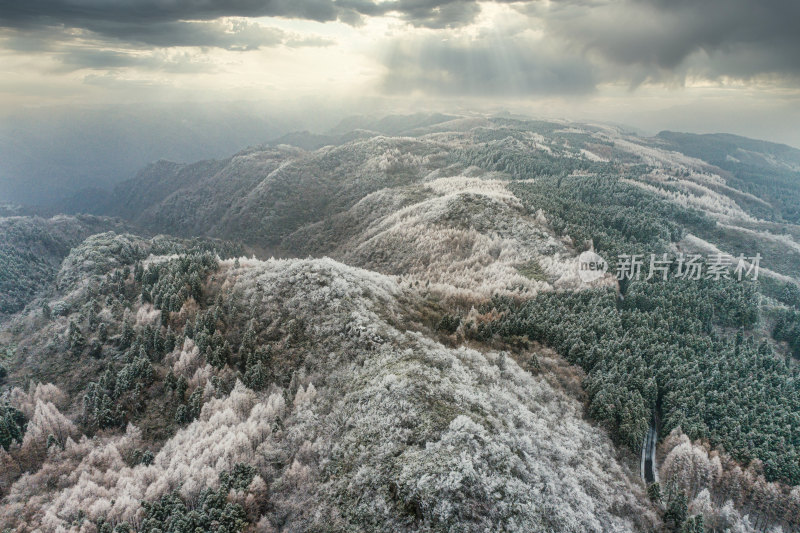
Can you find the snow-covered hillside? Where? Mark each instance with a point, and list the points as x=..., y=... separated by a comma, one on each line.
x=386, y=330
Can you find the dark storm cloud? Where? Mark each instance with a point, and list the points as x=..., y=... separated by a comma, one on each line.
x=436, y=13
x=517, y=67
x=738, y=38
x=44, y=25
x=83, y=13
x=105, y=16
x=138, y=47
x=584, y=43
x=588, y=41
x=157, y=23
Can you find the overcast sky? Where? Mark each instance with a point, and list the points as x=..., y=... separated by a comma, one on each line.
x=693, y=65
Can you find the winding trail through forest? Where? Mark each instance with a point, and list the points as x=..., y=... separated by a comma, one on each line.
x=648, y=466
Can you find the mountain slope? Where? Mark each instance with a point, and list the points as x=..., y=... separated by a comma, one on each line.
x=361, y=404
x=31, y=251
x=462, y=236
x=263, y=195
x=412, y=355
x=767, y=170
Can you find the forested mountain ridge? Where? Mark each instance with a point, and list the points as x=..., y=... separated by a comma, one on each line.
x=412, y=354
x=768, y=170
x=261, y=187
x=31, y=251
x=309, y=366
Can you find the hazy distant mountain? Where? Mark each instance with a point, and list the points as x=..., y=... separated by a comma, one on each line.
x=723, y=148
x=49, y=154
x=262, y=195
x=768, y=170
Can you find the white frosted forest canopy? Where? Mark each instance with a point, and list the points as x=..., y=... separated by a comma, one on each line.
x=424, y=356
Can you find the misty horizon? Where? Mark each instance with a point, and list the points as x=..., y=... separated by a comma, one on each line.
x=95, y=91
x=72, y=149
